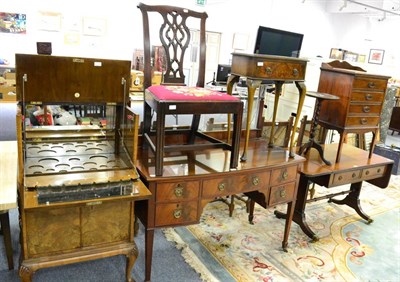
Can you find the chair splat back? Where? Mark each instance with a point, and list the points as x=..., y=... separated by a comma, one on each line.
x=175, y=37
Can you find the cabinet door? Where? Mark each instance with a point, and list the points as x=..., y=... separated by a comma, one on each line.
x=107, y=223
x=51, y=231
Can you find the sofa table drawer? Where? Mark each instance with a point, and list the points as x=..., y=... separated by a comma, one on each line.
x=283, y=175
x=282, y=194
x=176, y=213
x=177, y=191
x=373, y=172
x=346, y=177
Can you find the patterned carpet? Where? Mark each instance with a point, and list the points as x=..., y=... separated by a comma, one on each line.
x=221, y=248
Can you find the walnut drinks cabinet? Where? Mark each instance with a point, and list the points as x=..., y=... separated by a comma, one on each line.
x=77, y=184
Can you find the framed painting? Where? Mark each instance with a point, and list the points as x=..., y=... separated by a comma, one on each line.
x=336, y=54
x=376, y=56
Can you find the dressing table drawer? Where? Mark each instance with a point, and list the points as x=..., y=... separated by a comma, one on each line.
x=283, y=175
x=282, y=194
x=346, y=177
x=177, y=191
x=176, y=213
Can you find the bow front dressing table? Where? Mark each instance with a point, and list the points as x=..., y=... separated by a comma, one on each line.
x=192, y=179
x=280, y=70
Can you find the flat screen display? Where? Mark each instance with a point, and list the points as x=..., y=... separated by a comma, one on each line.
x=223, y=73
x=277, y=42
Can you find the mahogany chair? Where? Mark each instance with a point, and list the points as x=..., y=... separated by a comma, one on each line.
x=173, y=97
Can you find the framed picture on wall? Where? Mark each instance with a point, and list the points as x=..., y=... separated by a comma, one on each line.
x=350, y=56
x=336, y=54
x=376, y=56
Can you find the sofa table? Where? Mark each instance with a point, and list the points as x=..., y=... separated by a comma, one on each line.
x=193, y=179
x=353, y=168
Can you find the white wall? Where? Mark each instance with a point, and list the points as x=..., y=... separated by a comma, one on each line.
x=321, y=30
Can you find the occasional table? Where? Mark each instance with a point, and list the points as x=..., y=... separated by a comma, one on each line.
x=280, y=70
x=319, y=96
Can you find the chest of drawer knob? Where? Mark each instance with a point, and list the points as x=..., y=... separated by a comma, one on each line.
x=363, y=121
x=366, y=109
x=368, y=97
x=268, y=70
x=178, y=191
x=282, y=193
x=371, y=85
x=177, y=213
x=295, y=72
x=221, y=186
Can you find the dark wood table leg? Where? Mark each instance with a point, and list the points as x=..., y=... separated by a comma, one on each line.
x=353, y=200
x=5, y=226
x=299, y=215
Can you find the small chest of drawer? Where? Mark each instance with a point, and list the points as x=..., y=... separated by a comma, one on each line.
x=177, y=191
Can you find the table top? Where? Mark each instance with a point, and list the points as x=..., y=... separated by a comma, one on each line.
x=8, y=174
x=214, y=161
x=351, y=158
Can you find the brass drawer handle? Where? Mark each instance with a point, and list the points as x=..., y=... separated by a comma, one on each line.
x=255, y=181
x=340, y=177
x=354, y=175
x=379, y=170
x=363, y=121
x=221, y=186
x=285, y=175
x=368, y=97
x=268, y=70
x=367, y=172
x=295, y=72
x=371, y=85
x=178, y=190
x=178, y=213
x=282, y=193
x=366, y=109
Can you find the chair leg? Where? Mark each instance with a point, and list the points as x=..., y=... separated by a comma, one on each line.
x=194, y=128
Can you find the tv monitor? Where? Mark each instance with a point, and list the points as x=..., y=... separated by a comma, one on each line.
x=272, y=41
x=223, y=73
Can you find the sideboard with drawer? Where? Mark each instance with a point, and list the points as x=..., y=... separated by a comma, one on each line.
x=191, y=180
x=361, y=98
